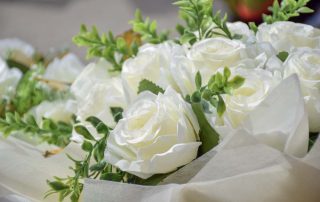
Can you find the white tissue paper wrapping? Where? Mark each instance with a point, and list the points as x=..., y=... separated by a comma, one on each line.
x=256, y=163
x=24, y=170
x=245, y=166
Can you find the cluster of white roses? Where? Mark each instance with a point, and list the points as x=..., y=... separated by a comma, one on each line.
x=159, y=133
x=63, y=70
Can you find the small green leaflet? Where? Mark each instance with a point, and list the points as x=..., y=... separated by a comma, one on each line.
x=116, y=113
x=146, y=85
x=283, y=55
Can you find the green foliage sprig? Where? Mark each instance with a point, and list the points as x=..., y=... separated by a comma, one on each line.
x=113, y=49
x=57, y=133
x=200, y=21
x=31, y=92
x=218, y=85
x=92, y=166
x=147, y=29
x=286, y=10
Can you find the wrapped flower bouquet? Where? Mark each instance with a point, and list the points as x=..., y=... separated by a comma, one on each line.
x=224, y=112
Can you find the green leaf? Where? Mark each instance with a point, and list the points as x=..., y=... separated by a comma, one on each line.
x=283, y=55
x=153, y=180
x=116, y=113
x=87, y=146
x=236, y=82
x=102, y=128
x=226, y=73
x=198, y=80
x=305, y=10
x=116, y=177
x=221, y=107
x=94, y=121
x=98, y=166
x=146, y=85
x=208, y=136
x=253, y=27
x=57, y=186
x=81, y=130
x=98, y=152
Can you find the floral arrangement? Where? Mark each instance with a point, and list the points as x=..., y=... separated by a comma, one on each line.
x=151, y=105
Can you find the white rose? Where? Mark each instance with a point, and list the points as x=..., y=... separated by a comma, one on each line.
x=158, y=134
x=284, y=36
x=306, y=64
x=100, y=98
x=58, y=110
x=152, y=63
x=258, y=83
x=66, y=69
x=7, y=45
x=247, y=35
x=96, y=91
x=210, y=54
x=9, y=79
x=183, y=73
x=256, y=55
x=93, y=73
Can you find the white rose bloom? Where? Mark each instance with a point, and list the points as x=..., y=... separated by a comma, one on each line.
x=7, y=45
x=58, y=110
x=66, y=69
x=306, y=64
x=100, y=98
x=258, y=83
x=256, y=55
x=152, y=63
x=93, y=73
x=241, y=28
x=210, y=54
x=158, y=134
x=284, y=36
x=183, y=73
x=275, y=65
x=9, y=79
x=96, y=91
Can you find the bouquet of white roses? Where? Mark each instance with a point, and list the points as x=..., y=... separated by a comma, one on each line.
x=225, y=107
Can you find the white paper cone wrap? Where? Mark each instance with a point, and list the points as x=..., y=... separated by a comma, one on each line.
x=281, y=120
x=242, y=170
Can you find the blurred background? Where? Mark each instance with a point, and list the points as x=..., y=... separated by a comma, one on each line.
x=51, y=23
